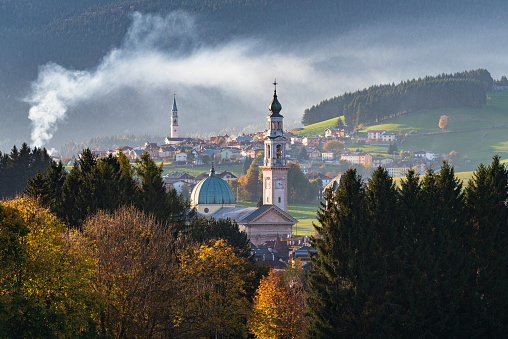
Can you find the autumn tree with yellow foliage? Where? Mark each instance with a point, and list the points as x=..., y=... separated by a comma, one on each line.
x=215, y=305
x=279, y=308
x=45, y=282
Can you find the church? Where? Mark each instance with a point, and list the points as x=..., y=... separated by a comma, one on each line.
x=213, y=197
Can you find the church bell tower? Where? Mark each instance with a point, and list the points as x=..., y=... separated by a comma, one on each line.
x=174, y=120
x=275, y=171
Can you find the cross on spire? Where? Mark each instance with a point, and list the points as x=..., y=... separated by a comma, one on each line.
x=275, y=85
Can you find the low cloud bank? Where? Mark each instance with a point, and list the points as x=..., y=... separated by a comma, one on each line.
x=230, y=84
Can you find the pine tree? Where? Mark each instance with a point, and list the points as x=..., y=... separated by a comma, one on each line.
x=152, y=191
x=486, y=198
x=392, y=149
x=298, y=184
x=246, y=165
x=413, y=292
x=443, y=266
x=47, y=186
x=153, y=198
x=302, y=154
x=77, y=191
x=383, y=228
x=337, y=295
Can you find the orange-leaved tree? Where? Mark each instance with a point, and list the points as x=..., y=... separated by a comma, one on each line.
x=334, y=145
x=278, y=308
x=444, y=121
x=249, y=185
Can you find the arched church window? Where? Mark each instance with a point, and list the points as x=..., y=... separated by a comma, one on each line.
x=268, y=151
x=279, y=200
x=278, y=124
x=273, y=124
x=279, y=151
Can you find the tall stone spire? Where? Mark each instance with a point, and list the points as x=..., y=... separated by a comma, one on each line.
x=174, y=119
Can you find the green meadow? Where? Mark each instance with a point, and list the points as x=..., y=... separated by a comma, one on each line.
x=316, y=129
x=236, y=169
x=476, y=134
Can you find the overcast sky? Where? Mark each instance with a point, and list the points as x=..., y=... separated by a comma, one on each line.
x=230, y=84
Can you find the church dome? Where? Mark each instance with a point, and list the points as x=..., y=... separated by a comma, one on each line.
x=275, y=106
x=212, y=191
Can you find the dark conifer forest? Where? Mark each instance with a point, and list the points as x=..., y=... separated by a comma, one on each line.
x=19, y=166
x=427, y=259
x=382, y=102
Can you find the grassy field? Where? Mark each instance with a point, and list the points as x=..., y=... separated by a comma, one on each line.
x=476, y=134
x=236, y=169
x=317, y=129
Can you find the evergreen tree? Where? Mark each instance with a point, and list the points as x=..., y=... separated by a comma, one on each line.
x=302, y=154
x=129, y=188
x=96, y=184
x=47, y=186
x=165, y=206
x=339, y=125
x=298, y=184
x=392, y=149
x=383, y=228
x=18, y=167
x=246, y=165
x=337, y=293
x=77, y=191
x=486, y=198
x=443, y=265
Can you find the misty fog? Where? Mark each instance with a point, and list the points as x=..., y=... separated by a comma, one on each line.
x=229, y=84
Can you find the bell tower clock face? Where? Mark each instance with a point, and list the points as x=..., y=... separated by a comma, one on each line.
x=279, y=184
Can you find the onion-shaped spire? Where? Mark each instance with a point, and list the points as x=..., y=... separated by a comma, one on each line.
x=275, y=106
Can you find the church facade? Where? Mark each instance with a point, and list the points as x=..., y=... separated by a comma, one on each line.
x=213, y=197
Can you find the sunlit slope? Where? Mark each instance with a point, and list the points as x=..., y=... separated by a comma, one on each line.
x=476, y=134
x=316, y=129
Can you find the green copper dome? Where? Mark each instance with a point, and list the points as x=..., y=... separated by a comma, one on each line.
x=212, y=191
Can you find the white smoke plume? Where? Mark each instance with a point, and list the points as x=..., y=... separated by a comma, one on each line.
x=230, y=82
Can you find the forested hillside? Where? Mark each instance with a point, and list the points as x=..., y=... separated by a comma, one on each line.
x=378, y=103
